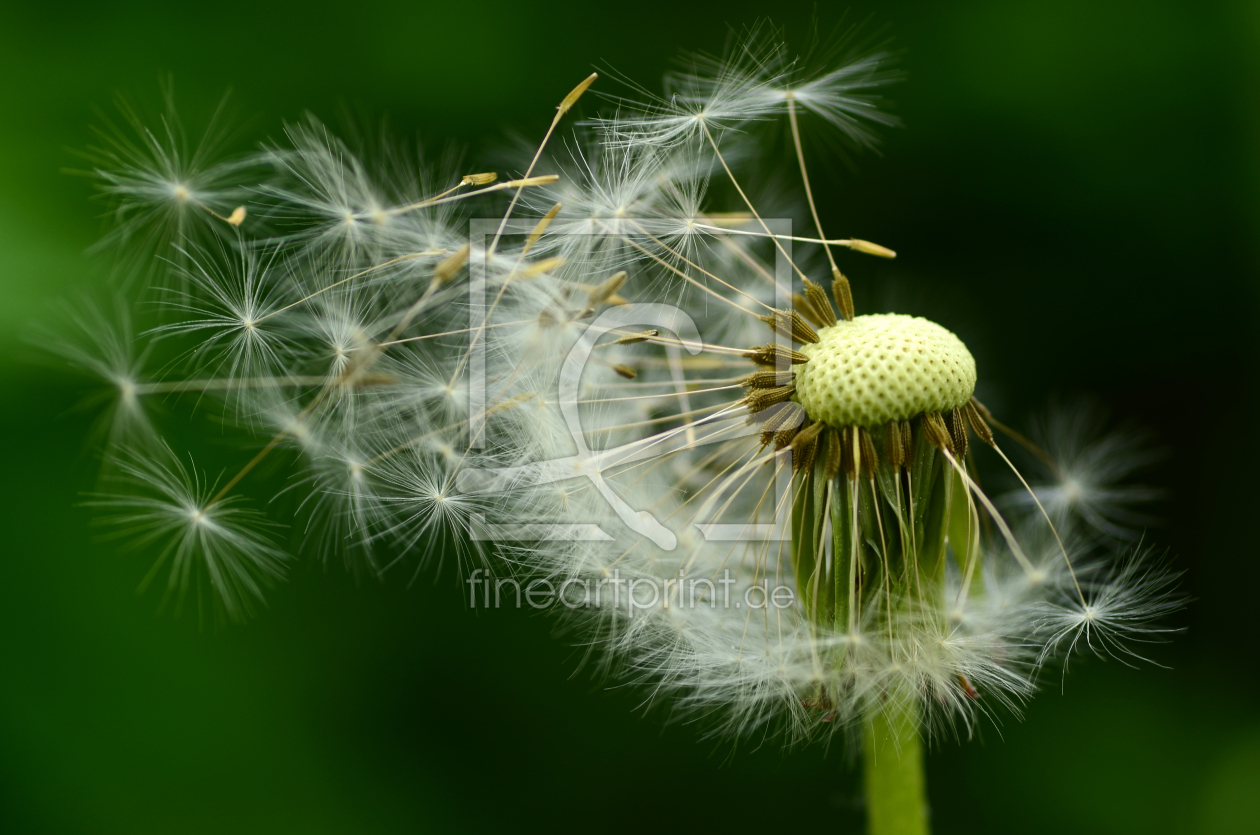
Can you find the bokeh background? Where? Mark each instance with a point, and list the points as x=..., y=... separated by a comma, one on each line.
x=1076, y=190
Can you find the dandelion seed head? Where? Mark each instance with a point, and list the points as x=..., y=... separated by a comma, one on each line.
x=636, y=384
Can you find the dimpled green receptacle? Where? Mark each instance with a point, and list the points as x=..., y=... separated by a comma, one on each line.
x=880, y=368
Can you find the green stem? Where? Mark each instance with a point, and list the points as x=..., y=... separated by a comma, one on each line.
x=896, y=799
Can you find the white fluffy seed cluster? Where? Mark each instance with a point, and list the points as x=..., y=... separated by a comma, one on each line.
x=881, y=368
x=327, y=305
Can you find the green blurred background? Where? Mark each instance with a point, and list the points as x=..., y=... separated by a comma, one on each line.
x=1076, y=190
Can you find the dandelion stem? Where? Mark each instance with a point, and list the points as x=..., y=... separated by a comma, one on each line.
x=721, y=159
x=809, y=193
x=565, y=106
x=896, y=796
x=827, y=242
x=521, y=184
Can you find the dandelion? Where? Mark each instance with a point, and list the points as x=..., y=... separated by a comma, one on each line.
x=103, y=346
x=756, y=501
x=163, y=187
x=218, y=544
x=1092, y=473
